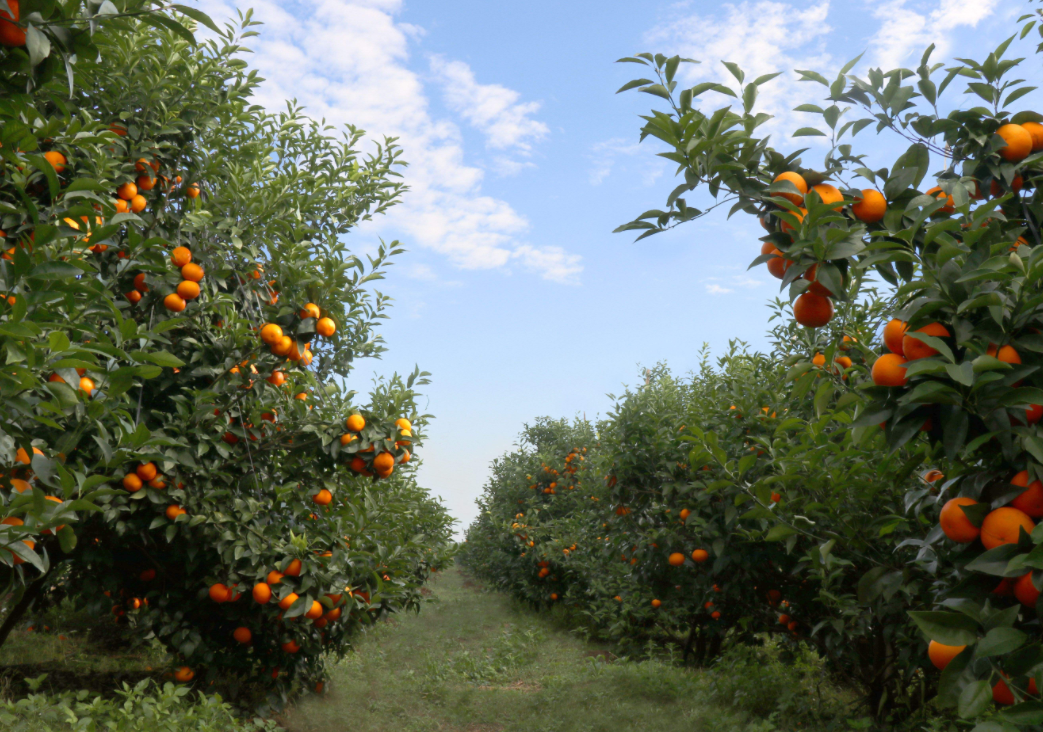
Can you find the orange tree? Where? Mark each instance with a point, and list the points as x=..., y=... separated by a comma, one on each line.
x=181, y=312
x=959, y=363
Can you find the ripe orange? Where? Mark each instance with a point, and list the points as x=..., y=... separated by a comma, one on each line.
x=716, y=615
x=1019, y=142
x=315, y=611
x=11, y=35
x=700, y=555
x=783, y=619
x=188, y=290
x=284, y=604
x=796, y=179
x=192, y=191
x=1033, y=414
x=138, y=203
x=871, y=207
x=812, y=311
x=950, y=205
x=384, y=462
x=358, y=465
x=913, y=349
x=685, y=513
x=816, y=287
x=942, y=655
x=291, y=647
x=146, y=182
x=819, y=360
x=270, y=333
x=139, y=282
x=830, y=195
x=146, y=471
x=293, y=569
x=311, y=310
x=282, y=346
x=219, y=593
x=174, y=302
x=1003, y=526
x=183, y=674
x=86, y=385
x=262, y=593
x=778, y=264
x=127, y=191
x=894, y=335
x=181, y=256
x=132, y=483
x=676, y=559
x=1007, y=354
x=174, y=511
x=274, y=577
x=323, y=497
x=1035, y=130
x=786, y=226
x=889, y=370
x=325, y=327
x=356, y=423
x=1031, y=501
x=278, y=378
x=243, y=635
x=121, y=205
x=1026, y=591
x=192, y=272
x=996, y=190
x=954, y=521
x=1001, y=693
x=56, y=159
x=656, y=603
x=134, y=296
x=933, y=475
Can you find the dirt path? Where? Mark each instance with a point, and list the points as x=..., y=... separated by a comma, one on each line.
x=473, y=661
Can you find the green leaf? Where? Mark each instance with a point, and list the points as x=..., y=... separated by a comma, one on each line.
x=951, y=629
x=1000, y=641
x=780, y=532
x=162, y=358
x=198, y=16
x=809, y=132
x=975, y=699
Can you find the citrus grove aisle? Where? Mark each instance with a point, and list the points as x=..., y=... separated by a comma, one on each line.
x=473, y=661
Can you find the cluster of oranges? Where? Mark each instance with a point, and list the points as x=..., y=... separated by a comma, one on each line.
x=283, y=345
x=187, y=289
x=368, y=461
x=21, y=485
x=676, y=559
x=147, y=474
x=814, y=307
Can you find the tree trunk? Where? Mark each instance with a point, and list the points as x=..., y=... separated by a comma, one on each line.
x=22, y=606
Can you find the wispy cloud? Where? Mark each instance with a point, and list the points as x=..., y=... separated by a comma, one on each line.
x=728, y=285
x=349, y=61
x=606, y=155
x=906, y=31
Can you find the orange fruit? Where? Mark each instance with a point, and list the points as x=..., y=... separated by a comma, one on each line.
x=819, y=360
x=933, y=476
x=121, y=206
x=139, y=282
x=954, y=521
x=146, y=471
x=86, y=385
x=700, y=555
x=656, y=603
x=11, y=35
x=1035, y=130
x=271, y=333
x=358, y=465
x=812, y=311
x=183, y=674
x=262, y=593
x=913, y=349
x=180, y=256
x=796, y=179
x=278, y=378
x=716, y=615
x=1031, y=501
x=1001, y=693
x=786, y=226
x=56, y=159
x=384, y=462
x=938, y=193
x=676, y=559
x=1026, y=591
x=996, y=189
x=282, y=346
x=830, y=195
x=293, y=569
x=174, y=302
x=323, y=497
x=356, y=423
x=942, y=655
x=192, y=272
x=778, y=264
x=894, y=335
x=146, y=182
x=138, y=203
x=889, y=370
x=311, y=310
x=219, y=593
x=274, y=577
x=127, y=191
x=1019, y=142
x=132, y=483
x=1034, y=414
x=1007, y=354
x=871, y=207
x=685, y=513
x=242, y=635
x=134, y=296
x=1003, y=526
x=174, y=511
x=816, y=288
x=325, y=327
x=284, y=604
x=844, y=362
x=188, y=290
x=192, y=191
x=291, y=647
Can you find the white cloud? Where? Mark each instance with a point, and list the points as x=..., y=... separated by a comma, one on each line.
x=718, y=290
x=606, y=156
x=728, y=285
x=349, y=62
x=762, y=37
x=493, y=109
x=905, y=33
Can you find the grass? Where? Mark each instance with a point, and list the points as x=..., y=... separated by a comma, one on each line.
x=474, y=661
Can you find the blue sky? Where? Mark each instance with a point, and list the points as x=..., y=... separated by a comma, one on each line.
x=514, y=293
